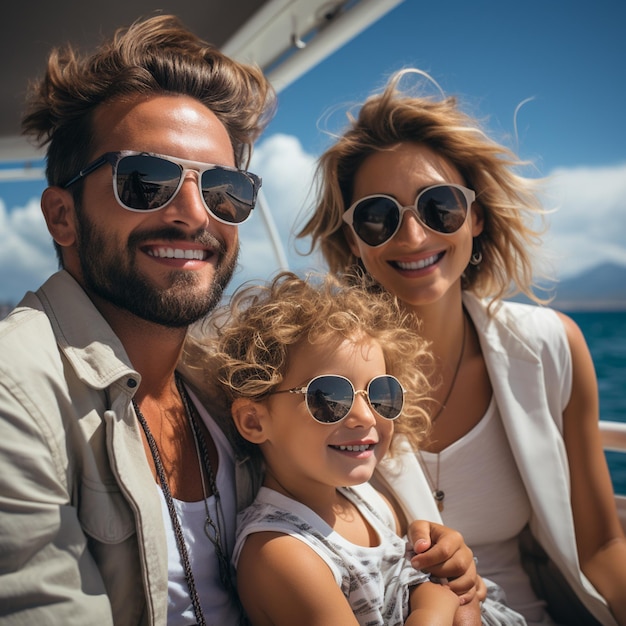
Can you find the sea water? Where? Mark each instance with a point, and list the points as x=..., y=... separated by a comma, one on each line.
x=605, y=332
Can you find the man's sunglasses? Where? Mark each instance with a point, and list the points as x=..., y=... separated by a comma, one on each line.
x=440, y=208
x=148, y=182
x=329, y=398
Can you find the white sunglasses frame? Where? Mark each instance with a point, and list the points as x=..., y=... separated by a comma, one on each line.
x=468, y=194
x=113, y=158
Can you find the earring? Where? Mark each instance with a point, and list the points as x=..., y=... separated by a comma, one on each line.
x=476, y=258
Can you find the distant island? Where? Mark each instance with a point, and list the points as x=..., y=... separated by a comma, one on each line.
x=601, y=288
x=5, y=309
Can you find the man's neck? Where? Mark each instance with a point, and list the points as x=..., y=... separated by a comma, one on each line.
x=154, y=350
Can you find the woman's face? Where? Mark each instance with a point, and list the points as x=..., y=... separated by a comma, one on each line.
x=418, y=265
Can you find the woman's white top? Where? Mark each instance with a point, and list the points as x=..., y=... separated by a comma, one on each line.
x=494, y=488
x=529, y=363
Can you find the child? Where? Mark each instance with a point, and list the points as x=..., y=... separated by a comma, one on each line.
x=317, y=378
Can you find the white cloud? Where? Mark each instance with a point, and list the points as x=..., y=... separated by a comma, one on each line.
x=588, y=228
x=589, y=225
x=27, y=255
x=287, y=172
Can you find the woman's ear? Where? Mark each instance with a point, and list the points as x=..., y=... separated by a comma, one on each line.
x=250, y=419
x=478, y=219
x=57, y=206
x=348, y=233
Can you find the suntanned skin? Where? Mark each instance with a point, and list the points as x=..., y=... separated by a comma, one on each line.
x=177, y=126
x=434, y=293
x=281, y=579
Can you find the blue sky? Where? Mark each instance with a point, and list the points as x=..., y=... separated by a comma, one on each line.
x=565, y=57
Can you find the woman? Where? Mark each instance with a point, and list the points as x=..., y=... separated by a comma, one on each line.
x=435, y=212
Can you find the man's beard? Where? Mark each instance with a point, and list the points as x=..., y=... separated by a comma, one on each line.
x=110, y=272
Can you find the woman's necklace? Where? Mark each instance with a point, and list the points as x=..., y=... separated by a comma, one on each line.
x=438, y=494
x=454, y=376
x=212, y=528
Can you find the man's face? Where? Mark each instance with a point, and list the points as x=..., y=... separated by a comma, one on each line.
x=170, y=266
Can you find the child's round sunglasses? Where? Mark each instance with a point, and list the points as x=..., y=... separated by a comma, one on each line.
x=143, y=181
x=440, y=208
x=329, y=398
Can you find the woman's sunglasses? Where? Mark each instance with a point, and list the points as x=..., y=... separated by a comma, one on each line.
x=329, y=398
x=440, y=208
x=148, y=182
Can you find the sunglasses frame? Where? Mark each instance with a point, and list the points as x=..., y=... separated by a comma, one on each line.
x=185, y=166
x=468, y=194
x=305, y=390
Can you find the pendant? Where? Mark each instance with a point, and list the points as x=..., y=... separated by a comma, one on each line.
x=439, y=495
x=210, y=530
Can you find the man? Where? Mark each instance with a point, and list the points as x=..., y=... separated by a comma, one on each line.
x=146, y=139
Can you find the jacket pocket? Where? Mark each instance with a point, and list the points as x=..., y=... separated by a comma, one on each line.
x=104, y=513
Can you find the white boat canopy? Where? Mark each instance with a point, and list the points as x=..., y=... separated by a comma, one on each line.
x=284, y=37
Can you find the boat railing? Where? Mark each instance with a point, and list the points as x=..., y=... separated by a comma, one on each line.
x=614, y=440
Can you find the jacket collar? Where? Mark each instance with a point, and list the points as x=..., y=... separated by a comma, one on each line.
x=84, y=337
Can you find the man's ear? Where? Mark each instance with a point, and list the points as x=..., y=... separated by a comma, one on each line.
x=250, y=419
x=58, y=210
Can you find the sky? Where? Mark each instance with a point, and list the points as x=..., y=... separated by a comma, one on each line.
x=545, y=78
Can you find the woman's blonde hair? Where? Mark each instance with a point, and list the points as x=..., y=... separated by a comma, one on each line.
x=247, y=344
x=508, y=200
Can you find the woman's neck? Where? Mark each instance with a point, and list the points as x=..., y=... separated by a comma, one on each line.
x=442, y=324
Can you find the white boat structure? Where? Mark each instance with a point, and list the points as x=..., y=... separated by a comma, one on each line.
x=285, y=38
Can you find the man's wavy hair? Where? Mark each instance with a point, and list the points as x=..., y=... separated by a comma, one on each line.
x=508, y=200
x=157, y=56
x=153, y=56
x=246, y=346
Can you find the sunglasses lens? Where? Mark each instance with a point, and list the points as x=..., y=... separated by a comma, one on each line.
x=145, y=182
x=329, y=398
x=386, y=396
x=229, y=195
x=375, y=220
x=443, y=209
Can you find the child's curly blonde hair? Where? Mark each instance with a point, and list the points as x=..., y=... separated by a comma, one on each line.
x=248, y=343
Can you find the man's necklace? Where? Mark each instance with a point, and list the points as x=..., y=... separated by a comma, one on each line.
x=212, y=528
x=438, y=494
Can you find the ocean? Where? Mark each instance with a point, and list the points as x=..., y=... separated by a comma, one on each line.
x=605, y=332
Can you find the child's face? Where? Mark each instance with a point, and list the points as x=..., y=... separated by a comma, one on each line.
x=306, y=452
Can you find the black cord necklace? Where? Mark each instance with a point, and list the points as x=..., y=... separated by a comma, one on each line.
x=212, y=528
